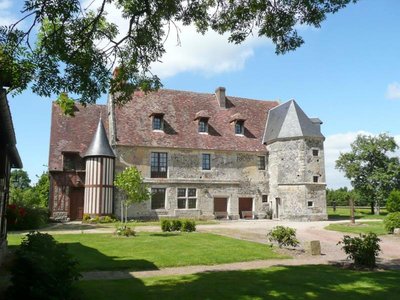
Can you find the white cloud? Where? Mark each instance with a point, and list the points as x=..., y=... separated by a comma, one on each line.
x=393, y=91
x=6, y=17
x=207, y=54
x=5, y=4
x=336, y=144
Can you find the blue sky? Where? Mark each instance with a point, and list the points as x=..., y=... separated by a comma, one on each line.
x=346, y=73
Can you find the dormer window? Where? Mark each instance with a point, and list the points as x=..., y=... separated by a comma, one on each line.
x=239, y=127
x=203, y=125
x=158, y=122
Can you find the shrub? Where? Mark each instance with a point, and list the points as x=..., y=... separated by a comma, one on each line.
x=176, y=225
x=268, y=213
x=86, y=218
x=363, y=249
x=43, y=269
x=188, y=225
x=393, y=202
x=392, y=221
x=21, y=217
x=166, y=225
x=284, y=236
x=106, y=219
x=125, y=231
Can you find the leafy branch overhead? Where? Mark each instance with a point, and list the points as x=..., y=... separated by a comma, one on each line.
x=76, y=47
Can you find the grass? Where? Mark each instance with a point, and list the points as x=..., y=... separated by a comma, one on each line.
x=343, y=213
x=151, y=251
x=359, y=227
x=292, y=282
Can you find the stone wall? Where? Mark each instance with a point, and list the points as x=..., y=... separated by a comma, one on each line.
x=232, y=175
x=292, y=167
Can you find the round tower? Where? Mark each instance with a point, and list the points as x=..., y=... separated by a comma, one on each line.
x=99, y=175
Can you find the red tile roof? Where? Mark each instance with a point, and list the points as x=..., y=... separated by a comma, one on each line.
x=134, y=127
x=73, y=134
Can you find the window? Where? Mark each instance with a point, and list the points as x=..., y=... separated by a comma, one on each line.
x=203, y=125
x=187, y=198
x=157, y=198
x=261, y=162
x=72, y=161
x=206, y=163
x=158, y=122
x=315, y=178
x=315, y=152
x=239, y=127
x=159, y=164
x=264, y=198
x=310, y=203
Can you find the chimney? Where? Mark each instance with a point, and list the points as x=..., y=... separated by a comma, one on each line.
x=220, y=94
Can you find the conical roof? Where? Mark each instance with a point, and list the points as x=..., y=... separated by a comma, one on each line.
x=289, y=121
x=100, y=145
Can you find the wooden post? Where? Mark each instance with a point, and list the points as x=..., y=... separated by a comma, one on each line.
x=352, y=220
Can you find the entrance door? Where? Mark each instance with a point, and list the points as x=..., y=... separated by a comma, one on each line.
x=221, y=208
x=246, y=208
x=76, y=196
x=277, y=204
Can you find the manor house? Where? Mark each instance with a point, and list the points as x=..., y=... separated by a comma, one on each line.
x=202, y=155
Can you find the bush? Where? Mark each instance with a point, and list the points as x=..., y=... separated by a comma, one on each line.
x=125, y=231
x=284, y=236
x=86, y=218
x=43, y=269
x=363, y=249
x=176, y=225
x=106, y=219
x=166, y=225
x=393, y=202
x=21, y=217
x=188, y=225
x=392, y=221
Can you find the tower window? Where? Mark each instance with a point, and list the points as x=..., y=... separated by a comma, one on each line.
x=203, y=125
x=315, y=178
x=315, y=152
x=239, y=127
x=261, y=162
x=158, y=122
x=310, y=203
x=206, y=162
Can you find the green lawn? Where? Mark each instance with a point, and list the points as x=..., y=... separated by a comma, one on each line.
x=297, y=283
x=360, y=213
x=150, y=251
x=359, y=227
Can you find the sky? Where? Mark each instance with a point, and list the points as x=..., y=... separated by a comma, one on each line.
x=346, y=74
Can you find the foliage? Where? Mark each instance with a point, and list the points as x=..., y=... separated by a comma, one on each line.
x=19, y=179
x=363, y=249
x=43, y=269
x=176, y=225
x=392, y=221
x=42, y=189
x=188, y=225
x=284, y=236
x=68, y=57
x=393, y=201
x=166, y=225
x=21, y=217
x=341, y=197
x=85, y=218
x=106, y=219
x=130, y=181
x=125, y=231
x=373, y=171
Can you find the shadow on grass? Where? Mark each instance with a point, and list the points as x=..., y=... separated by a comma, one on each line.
x=71, y=226
x=297, y=282
x=165, y=234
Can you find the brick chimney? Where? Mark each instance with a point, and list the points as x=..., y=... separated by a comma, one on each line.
x=220, y=94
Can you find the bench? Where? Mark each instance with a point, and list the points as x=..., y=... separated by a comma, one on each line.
x=221, y=215
x=247, y=214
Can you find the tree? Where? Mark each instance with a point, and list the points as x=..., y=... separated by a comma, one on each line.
x=393, y=202
x=370, y=168
x=42, y=189
x=130, y=181
x=76, y=47
x=19, y=179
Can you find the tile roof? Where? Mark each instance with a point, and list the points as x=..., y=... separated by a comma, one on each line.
x=134, y=127
x=73, y=134
x=288, y=120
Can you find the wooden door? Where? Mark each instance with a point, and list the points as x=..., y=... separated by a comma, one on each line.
x=221, y=207
x=76, y=196
x=246, y=208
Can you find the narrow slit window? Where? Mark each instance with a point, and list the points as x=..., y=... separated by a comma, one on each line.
x=261, y=162
x=206, y=162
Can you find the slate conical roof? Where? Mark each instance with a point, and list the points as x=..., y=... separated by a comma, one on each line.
x=100, y=145
x=289, y=121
